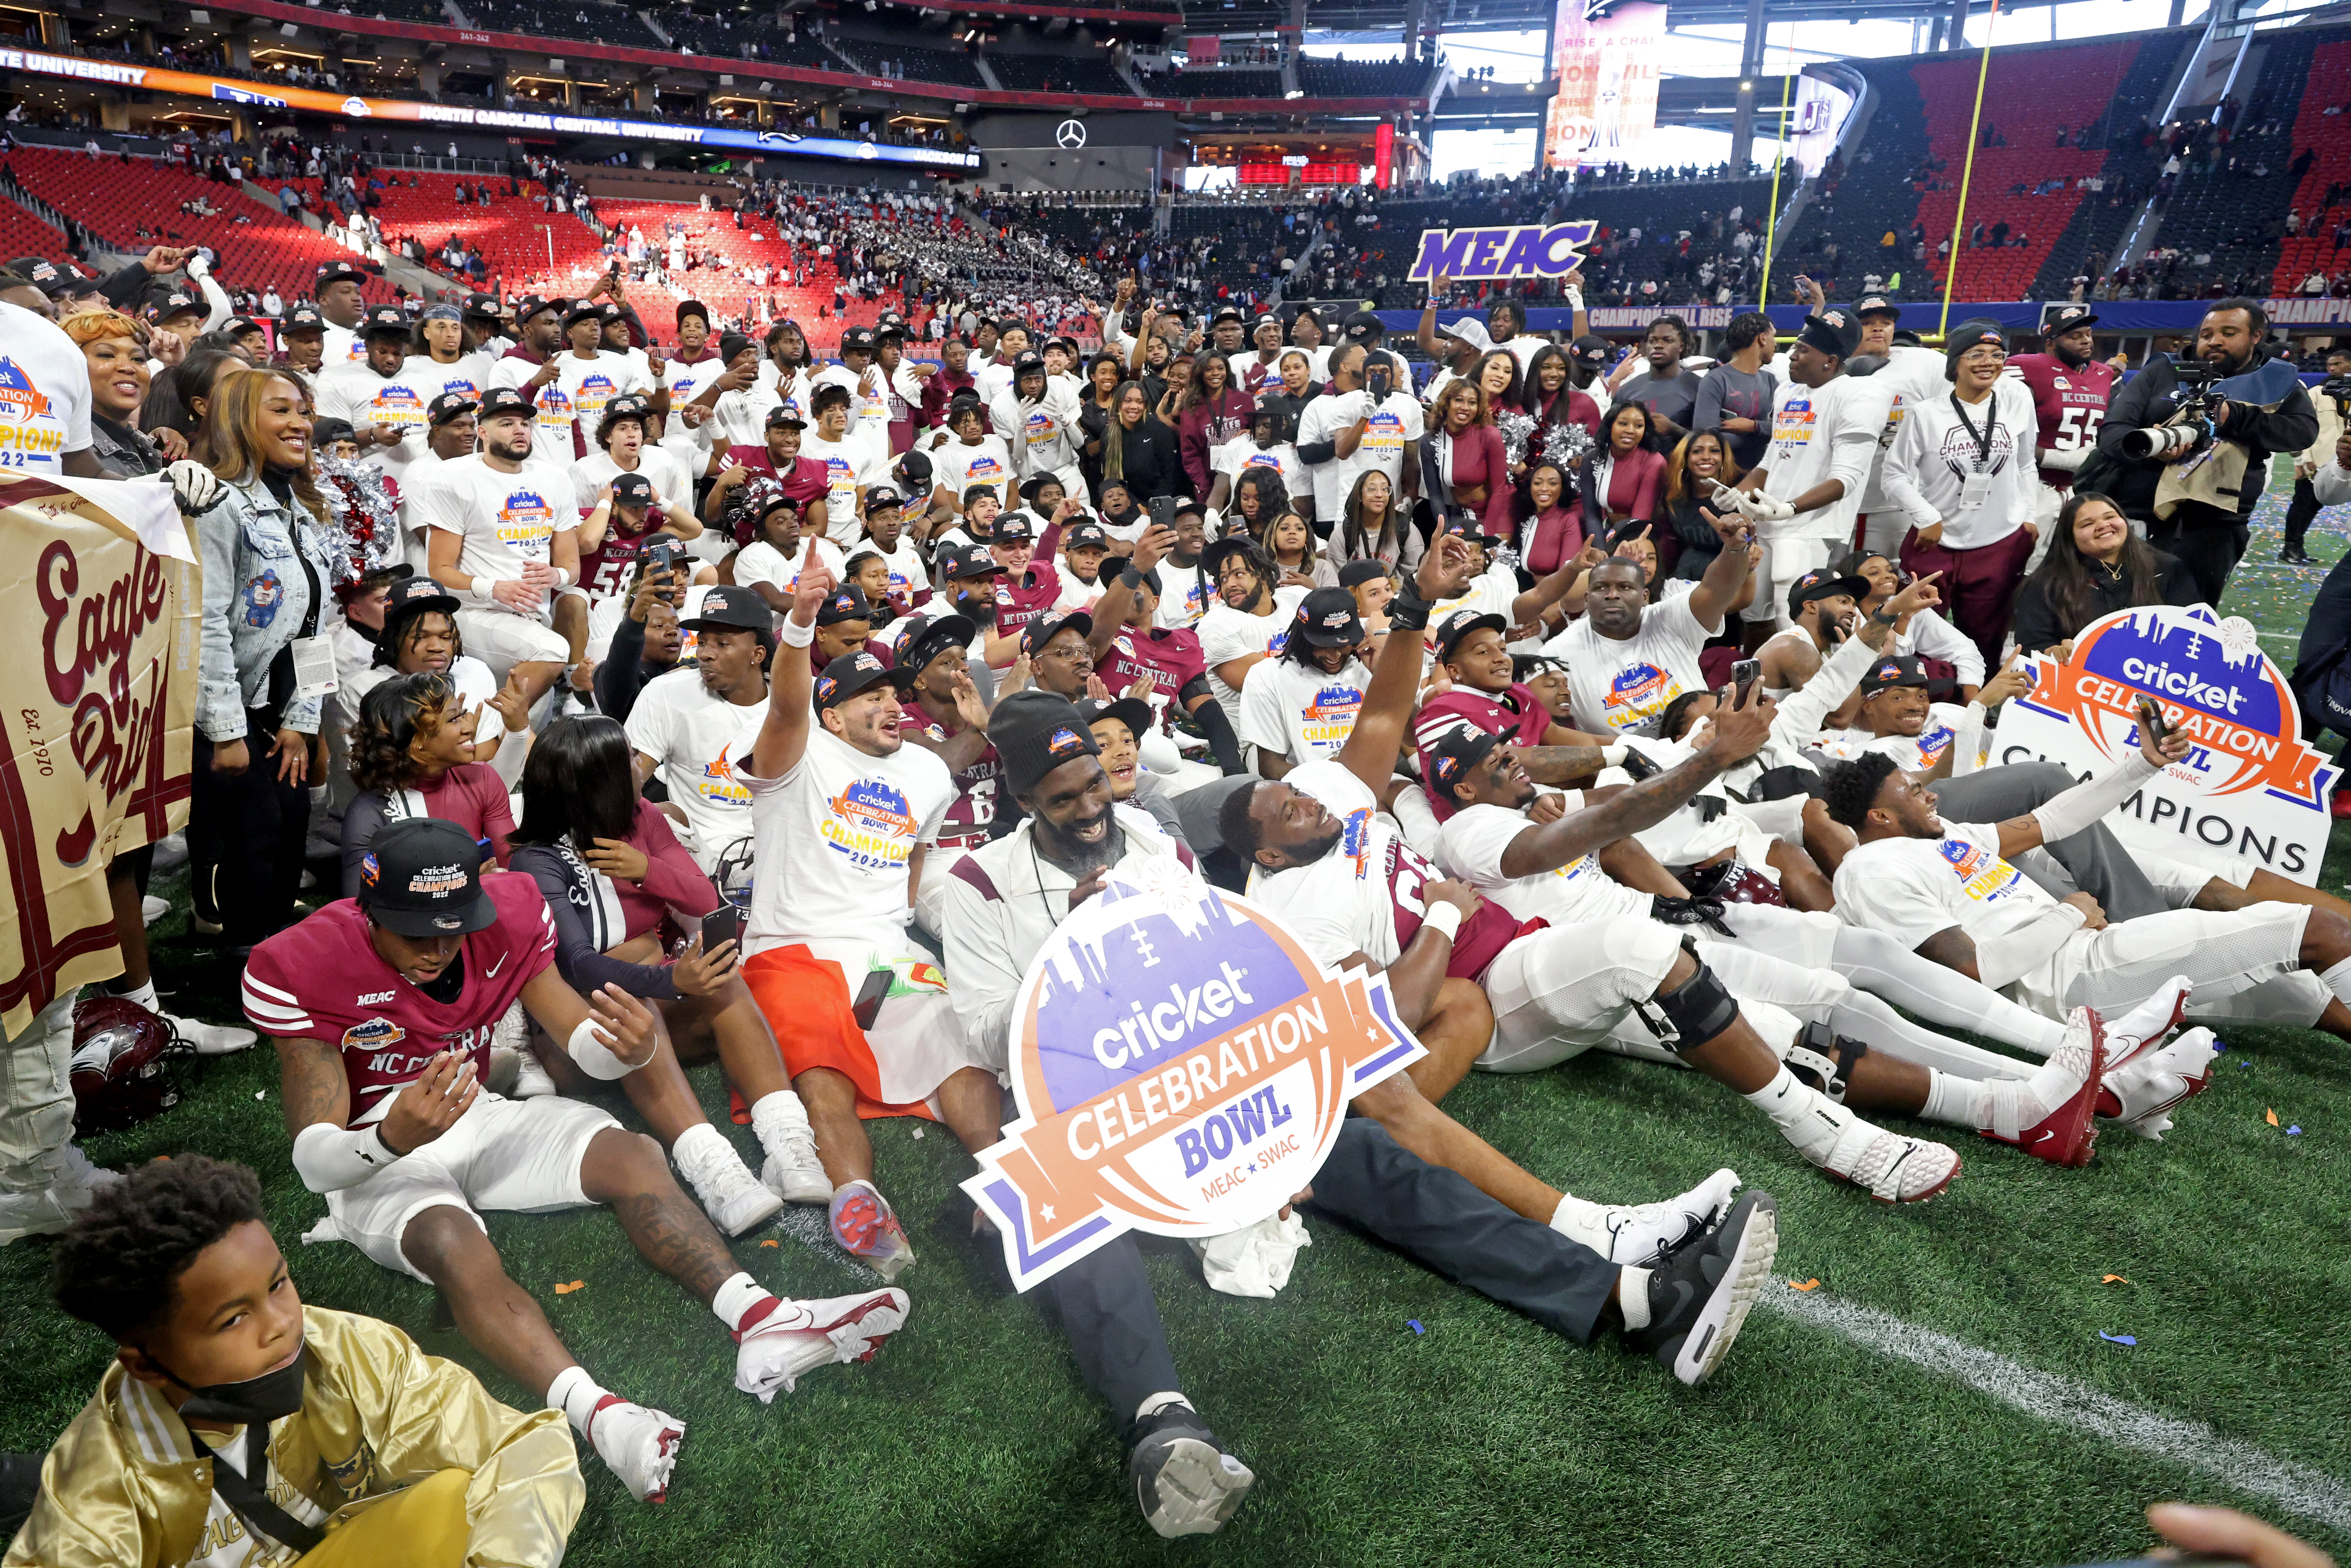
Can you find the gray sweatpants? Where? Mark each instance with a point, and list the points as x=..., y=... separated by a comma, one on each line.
x=2092, y=860
x=37, y=1103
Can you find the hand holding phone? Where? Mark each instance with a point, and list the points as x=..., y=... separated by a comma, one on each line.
x=721, y=926
x=1743, y=676
x=2151, y=721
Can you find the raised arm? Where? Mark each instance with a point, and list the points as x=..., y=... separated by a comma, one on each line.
x=784, y=736
x=1717, y=592
x=1370, y=753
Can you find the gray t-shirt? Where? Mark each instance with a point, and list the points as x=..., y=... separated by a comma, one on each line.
x=1730, y=393
x=1676, y=399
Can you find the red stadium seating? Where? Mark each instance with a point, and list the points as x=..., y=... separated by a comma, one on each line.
x=513, y=233
x=21, y=233
x=2328, y=86
x=256, y=244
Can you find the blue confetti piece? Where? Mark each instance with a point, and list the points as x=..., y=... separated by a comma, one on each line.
x=2244, y=1064
x=2116, y=1338
x=2294, y=1131
x=1413, y=1323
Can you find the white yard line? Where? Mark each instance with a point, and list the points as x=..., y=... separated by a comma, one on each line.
x=2065, y=1402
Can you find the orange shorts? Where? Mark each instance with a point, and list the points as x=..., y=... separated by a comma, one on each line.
x=807, y=1003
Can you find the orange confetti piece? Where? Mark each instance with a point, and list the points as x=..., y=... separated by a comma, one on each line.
x=2271, y=1116
x=575, y=1285
x=771, y=1241
x=2113, y=1280
x=1806, y=1285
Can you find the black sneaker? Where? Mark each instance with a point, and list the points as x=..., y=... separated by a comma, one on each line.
x=1185, y=1482
x=2295, y=555
x=1701, y=1291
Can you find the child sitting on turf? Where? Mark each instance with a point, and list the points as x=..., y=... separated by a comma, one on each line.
x=237, y=1427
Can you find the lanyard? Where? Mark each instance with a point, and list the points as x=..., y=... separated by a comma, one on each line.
x=1992, y=424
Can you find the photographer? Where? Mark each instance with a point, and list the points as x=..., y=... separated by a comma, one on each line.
x=2200, y=514
x=2332, y=401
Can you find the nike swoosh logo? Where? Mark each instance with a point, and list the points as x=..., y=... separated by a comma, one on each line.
x=492, y=972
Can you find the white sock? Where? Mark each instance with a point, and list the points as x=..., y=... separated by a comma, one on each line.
x=697, y=1147
x=143, y=994
x=1787, y=1099
x=2338, y=980
x=773, y=1115
x=1954, y=1101
x=739, y=1298
x=1158, y=1402
x=577, y=1395
x=1633, y=1298
x=1582, y=1221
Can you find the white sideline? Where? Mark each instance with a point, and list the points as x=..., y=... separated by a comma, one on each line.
x=2063, y=1401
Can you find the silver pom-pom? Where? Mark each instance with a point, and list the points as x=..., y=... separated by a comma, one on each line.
x=362, y=517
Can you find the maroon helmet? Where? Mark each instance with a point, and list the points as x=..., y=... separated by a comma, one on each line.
x=128, y=1064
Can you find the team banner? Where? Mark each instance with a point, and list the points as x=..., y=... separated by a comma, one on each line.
x=1607, y=60
x=1182, y=1066
x=96, y=730
x=2250, y=791
x=1529, y=250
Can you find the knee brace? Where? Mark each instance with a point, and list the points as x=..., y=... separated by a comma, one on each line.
x=1824, y=1059
x=1696, y=1011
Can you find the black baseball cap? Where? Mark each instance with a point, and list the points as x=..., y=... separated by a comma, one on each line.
x=857, y=339
x=1225, y=313
x=414, y=595
x=726, y=608
x=506, y=400
x=1589, y=350
x=304, y=318
x=483, y=305
x=782, y=415
x=172, y=302
x=336, y=272
x=1363, y=326
x=1326, y=618
x=847, y=604
x=1086, y=535
x=1132, y=712
x=1449, y=759
x=851, y=673
x=582, y=311
x=238, y=326
x=967, y=560
x=326, y=430
x=422, y=877
x=448, y=406
x=531, y=305
x=915, y=469
x=1048, y=626
x=1459, y=625
x=384, y=320
x=41, y=273
x=1357, y=572
x=1824, y=582
x=1013, y=529
x=933, y=635
x=1833, y=331
x=1970, y=335
x=882, y=499
x=2064, y=318
x=1035, y=732
x=1870, y=305
x=1893, y=670
x=632, y=490
x=1029, y=364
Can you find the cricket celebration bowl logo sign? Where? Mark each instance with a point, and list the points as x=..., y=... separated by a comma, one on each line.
x=1183, y=1066
x=2248, y=792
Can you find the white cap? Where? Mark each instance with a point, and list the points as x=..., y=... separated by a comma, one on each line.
x=1469, y=330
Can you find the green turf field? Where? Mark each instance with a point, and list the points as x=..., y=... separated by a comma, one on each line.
x=1482, y=1439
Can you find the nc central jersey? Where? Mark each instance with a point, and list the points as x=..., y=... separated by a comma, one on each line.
x=323, y=980
x=2069, y=403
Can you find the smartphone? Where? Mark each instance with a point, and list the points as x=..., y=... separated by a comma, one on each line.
x=868, y=1006
x=2150, y=720
x=1379, y=380
x=661, y=555
x=1163, y=511
x=1743, y=676
x=723, y=923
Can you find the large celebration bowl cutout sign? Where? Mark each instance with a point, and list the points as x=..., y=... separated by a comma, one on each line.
x=2250, y=791
x=1183, y=1066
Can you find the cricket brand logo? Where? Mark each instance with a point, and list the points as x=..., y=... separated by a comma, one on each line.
x=526, y=519
x=1534, y=250
x=19, y=398
x=2250, y=787
x=1983, y=874
x=1638, y=687
x=1183, y=1067
x=871, y=823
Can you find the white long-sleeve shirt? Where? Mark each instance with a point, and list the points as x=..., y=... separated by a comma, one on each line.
x=2332, y=484
x=1927, y=468
x=1043, y=434
x=1930, y=636
x=1820, y=434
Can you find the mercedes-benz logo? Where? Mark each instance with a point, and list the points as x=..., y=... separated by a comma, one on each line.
x=1070, y=133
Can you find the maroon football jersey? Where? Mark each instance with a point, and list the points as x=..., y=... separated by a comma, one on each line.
x=604, y=571
x=322, y=981
x=1517, y=715
x=2069, y=402
x=973, y=811
x=1170, y=657
x=1020, y=601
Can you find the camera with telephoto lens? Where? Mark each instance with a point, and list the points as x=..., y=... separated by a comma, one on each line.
x=2189, y=428
x=2338, y=389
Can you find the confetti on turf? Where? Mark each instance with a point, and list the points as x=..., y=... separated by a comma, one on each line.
x=1803, y=1284
x=771, y=1241
x=2116, y=1338
x=2294, y=1131
x=1413, y=1324
x=2271, y=1116
x=2114, y=1279
x=261, y=1094
x=918, y=1132
x=575, y=1285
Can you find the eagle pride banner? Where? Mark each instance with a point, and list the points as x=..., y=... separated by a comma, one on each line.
x=2250, y=793
x=1183, y=1067
x=98, y=719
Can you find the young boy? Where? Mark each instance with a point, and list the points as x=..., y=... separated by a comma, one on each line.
x=329, y=1436
x=335, y=438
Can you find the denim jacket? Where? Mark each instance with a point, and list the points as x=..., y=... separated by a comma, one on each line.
x=256, y=598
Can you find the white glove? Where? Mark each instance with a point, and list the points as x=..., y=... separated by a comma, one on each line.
x=193, y=486
x=197, y=266
x=1765, y=508
x=1575, y=298
x=1215, y=522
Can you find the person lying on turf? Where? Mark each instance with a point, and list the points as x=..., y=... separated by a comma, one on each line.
x=381, y=1010
x=329, y=1437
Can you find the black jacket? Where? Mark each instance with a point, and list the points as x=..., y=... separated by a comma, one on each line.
x=2035, y=624
x=2149, y=398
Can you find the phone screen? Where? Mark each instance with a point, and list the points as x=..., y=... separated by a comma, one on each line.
x=723, y=923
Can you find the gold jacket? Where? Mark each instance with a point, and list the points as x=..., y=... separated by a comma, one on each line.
x=126, y=1484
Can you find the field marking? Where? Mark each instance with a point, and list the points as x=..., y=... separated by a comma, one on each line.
x=2065, y=1402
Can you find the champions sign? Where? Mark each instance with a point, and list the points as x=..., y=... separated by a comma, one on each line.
x=1529, y=250
x=2250, y=789
x=1182, y=1068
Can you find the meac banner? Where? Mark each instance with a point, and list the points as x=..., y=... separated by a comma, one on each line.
x=2251, y=793
x=1527, y=250
x=1183, y=1066
x=104, y=595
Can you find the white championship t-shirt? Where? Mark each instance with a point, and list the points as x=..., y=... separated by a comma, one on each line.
x=1301, y=713
x=1918, y=753
x=1627, y=685
x=1227, y=633
x=663, y=467
x=1349, y=901
x=1241, y=454
x=467, y=373
x=848, y=465
x=833, y=839
x=700, y=742
x=589, y=384
x=504, y=519
x=355, y=392
x=761, y=561
x=1909, y=889
x=959, y=467
x=44, y=393
x=1471, y=847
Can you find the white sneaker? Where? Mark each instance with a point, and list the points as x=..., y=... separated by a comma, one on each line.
x=801, y=1336
x=733, y=1198
x=171, y=854
x=638, y=1445
x=1639, y=1234
x=1894, y=1168
x=2148, y=1025
x=211, y=1038
x=792, y=1171
x=37, y=1211
x=151, y=909
x=2141, y=1094
x=75, y=1174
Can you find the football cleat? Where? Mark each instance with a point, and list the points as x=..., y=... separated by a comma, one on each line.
x=38, y=1211
x=2059, y=1097
x=2141, y=1094
x=638, y=1445
x=1894, y=1168
x=72, y=1173
x=798, y=1337
x=730, y=1195
x=151, y=909
x=1639, y=1234
x=211, y=1038
x=171, y=854
x=2148, y=1025
x=531, y=1079
x=864, y=1225
x=1185, y=1482
x=1699, y=1292
x=792, y=1171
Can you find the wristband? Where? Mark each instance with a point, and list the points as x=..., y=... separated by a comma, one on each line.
x=1445, y=918
x=562, y=576
x=592, y=1056
x=1614, y=755
x=1130, y=575
x=1409, y=612
x=1879, y=618
x=483, y=590
x=795, y=635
